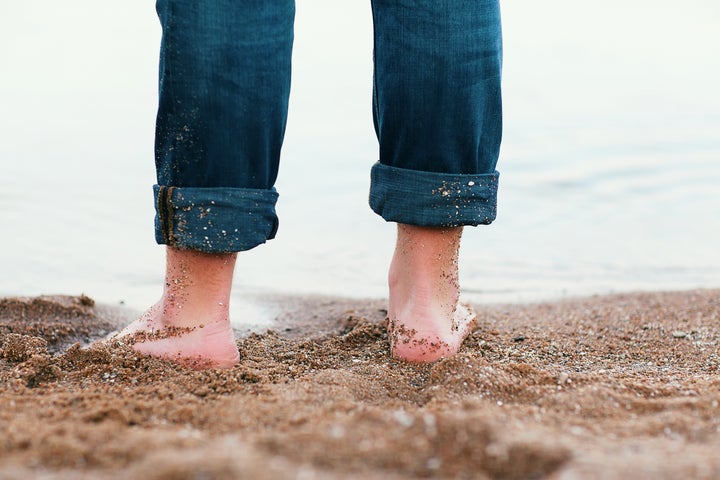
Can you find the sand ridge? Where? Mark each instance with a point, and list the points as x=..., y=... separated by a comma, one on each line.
x=622, y=386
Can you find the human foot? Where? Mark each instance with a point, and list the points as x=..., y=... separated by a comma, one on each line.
x=428, y=345
x=190, y=325
x=205, y=345
x=426, y=321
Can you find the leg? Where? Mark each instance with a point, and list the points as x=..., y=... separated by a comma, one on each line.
x=437, y=115
x=224, y=88
x=426, y=320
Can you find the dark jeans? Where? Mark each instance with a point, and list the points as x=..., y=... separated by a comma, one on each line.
x=224, y=88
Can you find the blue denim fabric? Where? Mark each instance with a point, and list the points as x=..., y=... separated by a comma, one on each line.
x=224, y=88
x=437, y=111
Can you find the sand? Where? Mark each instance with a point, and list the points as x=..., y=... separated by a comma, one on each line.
x=623, y=386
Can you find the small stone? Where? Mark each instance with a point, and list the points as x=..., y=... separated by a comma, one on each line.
x=86, y=301
x=430, y=424
x=563, y=378
x=403, y=418
x=433, y=463
x=519, y=338
x=679, y=334
x=337, y=431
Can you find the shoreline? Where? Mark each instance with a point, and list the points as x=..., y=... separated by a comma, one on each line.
x=616, y=386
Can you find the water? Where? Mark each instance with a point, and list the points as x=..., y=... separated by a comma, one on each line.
x=609, y=168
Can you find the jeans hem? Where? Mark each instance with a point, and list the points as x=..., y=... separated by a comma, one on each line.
x=430, y=199
x=214, y=220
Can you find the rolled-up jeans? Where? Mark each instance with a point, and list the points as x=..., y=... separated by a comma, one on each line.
x=224, y=87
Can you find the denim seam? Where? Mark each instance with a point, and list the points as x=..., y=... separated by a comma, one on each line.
x=165, y=211
x=375, y=89
x=169, y=212
x=161, y=212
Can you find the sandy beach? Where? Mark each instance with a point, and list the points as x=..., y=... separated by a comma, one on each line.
x=622, y=386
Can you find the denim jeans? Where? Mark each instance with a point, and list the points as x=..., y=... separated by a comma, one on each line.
x=224, y=87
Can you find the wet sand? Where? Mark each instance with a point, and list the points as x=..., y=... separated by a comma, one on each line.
x=623, y=386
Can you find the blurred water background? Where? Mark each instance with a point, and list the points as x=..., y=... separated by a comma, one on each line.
x=610, y=166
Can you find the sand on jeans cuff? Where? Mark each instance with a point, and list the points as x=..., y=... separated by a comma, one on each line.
x=431, y=199
x=214, y=220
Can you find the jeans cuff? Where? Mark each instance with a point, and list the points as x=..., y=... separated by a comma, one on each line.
x=430, y=199
x=214, y=220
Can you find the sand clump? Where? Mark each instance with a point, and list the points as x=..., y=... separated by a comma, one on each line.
x=604, y=387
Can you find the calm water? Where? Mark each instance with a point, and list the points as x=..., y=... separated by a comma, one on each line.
x=609, y=171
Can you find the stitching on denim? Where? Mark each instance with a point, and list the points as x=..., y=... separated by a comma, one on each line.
x=376, y=105
x=165, y=213
x=169, y=214
x=161, y=210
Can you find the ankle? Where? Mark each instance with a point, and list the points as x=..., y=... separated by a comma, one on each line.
x=197, y=288
x=424, y=267
x=182, y=308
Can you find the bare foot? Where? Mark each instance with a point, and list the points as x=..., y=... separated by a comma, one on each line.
x=190, y=325
x=426, y=322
